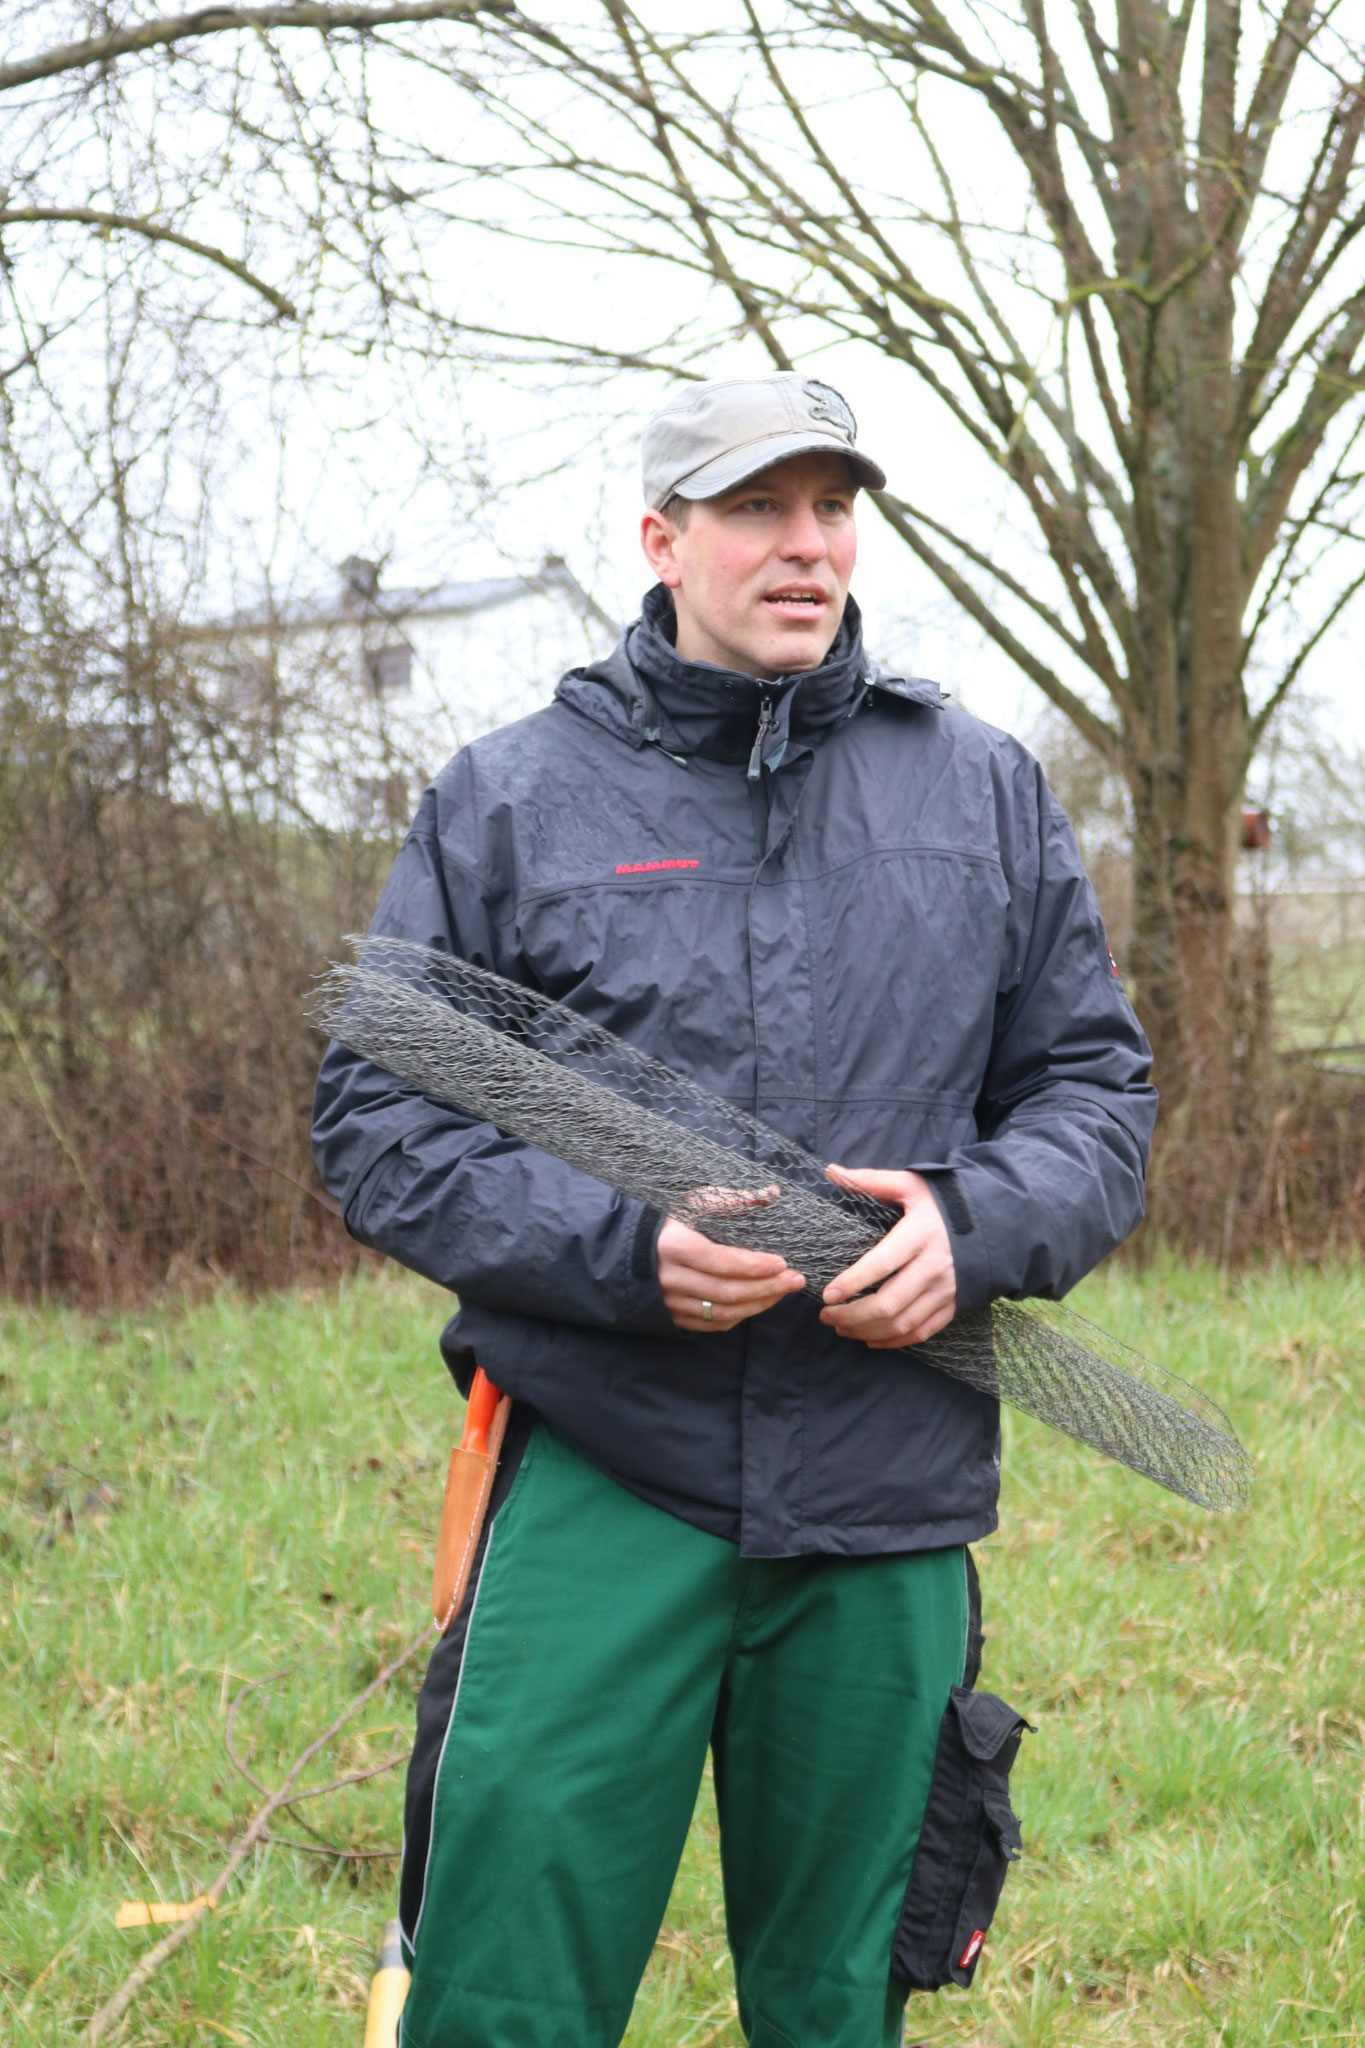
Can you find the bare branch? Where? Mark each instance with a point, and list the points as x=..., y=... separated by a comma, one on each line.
x=1090, y=649
x=153, y=231
x=1030, y=120
x=1293, y=281
x=553, y=353
x=1257, y=725
x=115, y=2007
x=1086, y=461
x=324, y=15
x=1089, y=722
x=1218, y=94
x=724, y=270
x=1266, y=106
x=1340, y=378
x=1312, y=516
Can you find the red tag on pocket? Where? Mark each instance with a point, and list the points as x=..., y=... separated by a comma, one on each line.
x=973, y=1948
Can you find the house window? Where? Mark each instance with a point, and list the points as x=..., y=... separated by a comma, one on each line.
x=246, y=686
x=388, y=670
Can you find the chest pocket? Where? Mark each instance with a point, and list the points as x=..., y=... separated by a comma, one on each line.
x=910, y=945
x=662, y=958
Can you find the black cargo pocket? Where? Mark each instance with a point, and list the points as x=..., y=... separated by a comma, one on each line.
x=968, y=1841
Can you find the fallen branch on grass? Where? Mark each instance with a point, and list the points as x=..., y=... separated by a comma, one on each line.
x=256, y=1832
x=319, y=1846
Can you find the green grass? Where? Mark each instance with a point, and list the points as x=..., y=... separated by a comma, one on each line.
x=1319, y=994
x=199, y=1496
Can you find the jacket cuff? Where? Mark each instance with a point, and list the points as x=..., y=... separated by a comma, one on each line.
x=966, y=1236
x=643, y=1264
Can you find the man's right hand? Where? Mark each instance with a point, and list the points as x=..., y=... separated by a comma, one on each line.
x=735, y=1284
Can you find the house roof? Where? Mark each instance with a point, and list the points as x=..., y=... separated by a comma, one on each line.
x=347, y=605
x=441, y=600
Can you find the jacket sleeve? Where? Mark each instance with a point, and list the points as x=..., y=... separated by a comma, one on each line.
x=1055, y=1179
x=497, y=1221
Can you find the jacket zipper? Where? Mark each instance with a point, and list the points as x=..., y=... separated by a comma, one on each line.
x=765, y=721
x=758, y=775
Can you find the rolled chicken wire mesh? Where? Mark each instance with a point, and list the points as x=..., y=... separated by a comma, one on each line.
x=512, y=1057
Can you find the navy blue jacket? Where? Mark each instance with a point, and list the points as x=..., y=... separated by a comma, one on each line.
x=853, y=910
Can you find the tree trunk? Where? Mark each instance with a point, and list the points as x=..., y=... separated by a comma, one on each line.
x=1186, y=830
x=1187, y=747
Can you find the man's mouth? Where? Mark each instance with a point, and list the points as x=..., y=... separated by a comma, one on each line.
x=797, y=600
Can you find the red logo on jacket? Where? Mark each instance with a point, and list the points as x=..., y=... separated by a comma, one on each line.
x=652, y=867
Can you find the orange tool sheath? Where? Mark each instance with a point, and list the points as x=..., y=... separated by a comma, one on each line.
x=469, y=1482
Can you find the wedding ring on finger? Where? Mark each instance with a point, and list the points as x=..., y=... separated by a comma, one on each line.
x=706, y=1311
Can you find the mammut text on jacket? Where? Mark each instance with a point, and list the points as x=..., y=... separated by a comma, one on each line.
x=850, y=909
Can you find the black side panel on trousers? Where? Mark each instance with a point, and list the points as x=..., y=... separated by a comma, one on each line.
x=976, y=1639
x=437, y=1696
x=969, y=1839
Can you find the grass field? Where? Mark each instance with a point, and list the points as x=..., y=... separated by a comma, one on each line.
x=1319, y=995
x=198, y=1497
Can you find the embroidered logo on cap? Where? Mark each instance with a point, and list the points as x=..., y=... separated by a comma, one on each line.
x=830, y=407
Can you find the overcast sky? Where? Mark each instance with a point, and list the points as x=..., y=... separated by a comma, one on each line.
x=452, y=472
x=563, y=458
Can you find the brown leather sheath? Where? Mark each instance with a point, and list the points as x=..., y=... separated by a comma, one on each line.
x=469, y=1482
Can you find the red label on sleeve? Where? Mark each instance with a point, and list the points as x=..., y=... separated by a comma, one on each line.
x=973, y=1948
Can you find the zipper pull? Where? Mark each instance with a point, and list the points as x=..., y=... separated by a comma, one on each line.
x=765, y=719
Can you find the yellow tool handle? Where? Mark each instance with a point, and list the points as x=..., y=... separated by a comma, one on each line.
x=388, y=1990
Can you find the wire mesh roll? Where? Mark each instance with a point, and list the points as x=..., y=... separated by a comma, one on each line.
x=540, y=1072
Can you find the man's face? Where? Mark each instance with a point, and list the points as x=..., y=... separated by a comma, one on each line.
x=759, y=576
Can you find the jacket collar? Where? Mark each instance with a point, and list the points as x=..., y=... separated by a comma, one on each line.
x=648, y=695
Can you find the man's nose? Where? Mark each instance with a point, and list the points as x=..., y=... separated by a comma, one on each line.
x=803, y=537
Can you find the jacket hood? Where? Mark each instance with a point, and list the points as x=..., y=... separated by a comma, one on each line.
x=646, y=694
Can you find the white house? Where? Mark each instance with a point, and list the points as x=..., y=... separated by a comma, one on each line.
x=353, y=699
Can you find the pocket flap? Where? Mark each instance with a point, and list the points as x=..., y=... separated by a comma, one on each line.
x=1002, y=1818
x=987, y=1723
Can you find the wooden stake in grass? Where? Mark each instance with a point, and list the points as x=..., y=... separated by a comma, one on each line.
x=112, y=2011
x=160, y=1912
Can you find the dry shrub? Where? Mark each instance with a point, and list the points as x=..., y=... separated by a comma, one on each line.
x=1289, y=1178
x=1292, y=1178
x=155, y=1072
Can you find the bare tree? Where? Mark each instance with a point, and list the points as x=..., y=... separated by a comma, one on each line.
x=1157, y=337
x=1151, y=325
x=187, y=824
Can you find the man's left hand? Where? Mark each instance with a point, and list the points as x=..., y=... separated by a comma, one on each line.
x=914, y=1263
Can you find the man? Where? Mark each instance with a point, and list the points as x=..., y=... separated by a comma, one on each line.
x=728, y=1515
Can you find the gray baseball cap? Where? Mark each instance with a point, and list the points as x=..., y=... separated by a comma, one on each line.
x=712, y=436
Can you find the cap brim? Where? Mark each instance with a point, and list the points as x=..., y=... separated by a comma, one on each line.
x=737, y=465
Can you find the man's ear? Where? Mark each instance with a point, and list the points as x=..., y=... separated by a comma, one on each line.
x=657, y=538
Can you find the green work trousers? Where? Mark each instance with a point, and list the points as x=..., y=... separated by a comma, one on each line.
x=608, y=1644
